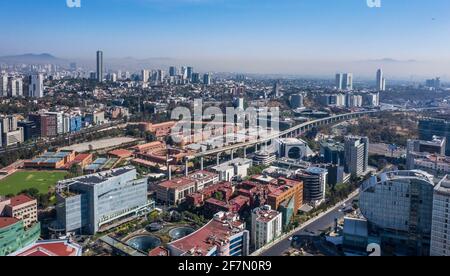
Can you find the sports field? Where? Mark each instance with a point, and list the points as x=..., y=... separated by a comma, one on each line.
x=22, y=180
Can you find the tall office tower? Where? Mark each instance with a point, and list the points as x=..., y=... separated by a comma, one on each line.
x=15, y=87
x=356, y=155
x=207, y=79
x=36, y=86
x=3, y=85
x=440, y=238
x=161, y=76
x=173, y=71
x=100, y=66
x=113, y=77
x=339, y=80
x=145, y=75
x=276, y=90
x=195, y=78
x=184, y=73
x=297, y=101
x=347, y=81
x=190, y=71
x=119, y=74
x=398, y=205
x=381, y=82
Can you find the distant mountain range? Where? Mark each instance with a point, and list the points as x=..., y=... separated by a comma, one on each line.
x=128, y=63
x=33, y=59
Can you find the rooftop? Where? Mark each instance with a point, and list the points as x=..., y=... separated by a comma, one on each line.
x=443, y=187
x=96, y=178
x=177, y=183
x=20, y=199
x=5, y=222
x=217, y=231
x=50, y=248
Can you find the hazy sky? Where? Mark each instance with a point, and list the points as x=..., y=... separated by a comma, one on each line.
x=283, y=33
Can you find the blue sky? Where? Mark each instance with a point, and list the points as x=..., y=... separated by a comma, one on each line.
x=229, y=29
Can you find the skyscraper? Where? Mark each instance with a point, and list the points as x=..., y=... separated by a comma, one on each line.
x=347, y=81
x=381, y=82
x=15, y=87
x=3, y=85
x=100, y=66
x=356, y=155
x=207, y=79
x=36, y=86
x=145, y=75
x=339, y=79
x=276, y=90
x=195, y=78
x=190, y=71
x=173, y=71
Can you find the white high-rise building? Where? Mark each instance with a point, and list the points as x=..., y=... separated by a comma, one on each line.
x=145, y=75
x=3, y=85
x=36, y=87
x=440, y=238
x=356, y=155
x=266, y=226
x=381, y=82
x=15, y=87
x=347, y=81
x=184, y=72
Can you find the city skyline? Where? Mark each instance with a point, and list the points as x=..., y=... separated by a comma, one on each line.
x=290, y=37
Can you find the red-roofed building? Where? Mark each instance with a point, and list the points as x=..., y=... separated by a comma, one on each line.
x=176, y=190
x=21, y=207
x=235, y=205
x=61, y=248
x=224, y=188
x=224, y=235
x=82, y=160
x=159, y=252
x=120, y=153
x=7, y=221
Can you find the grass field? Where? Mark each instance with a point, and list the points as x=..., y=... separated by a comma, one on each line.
x=22, y=180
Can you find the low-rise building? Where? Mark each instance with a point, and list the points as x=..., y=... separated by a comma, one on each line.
x=50, y=248
x=224, y=235
x=175, y=191
x=51, y=160
x=236, y=167
x=21, y=207
x=14, y=236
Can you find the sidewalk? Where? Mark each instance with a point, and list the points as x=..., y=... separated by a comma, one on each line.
x=304, y=225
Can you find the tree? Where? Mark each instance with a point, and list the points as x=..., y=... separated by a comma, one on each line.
x=218, y=196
